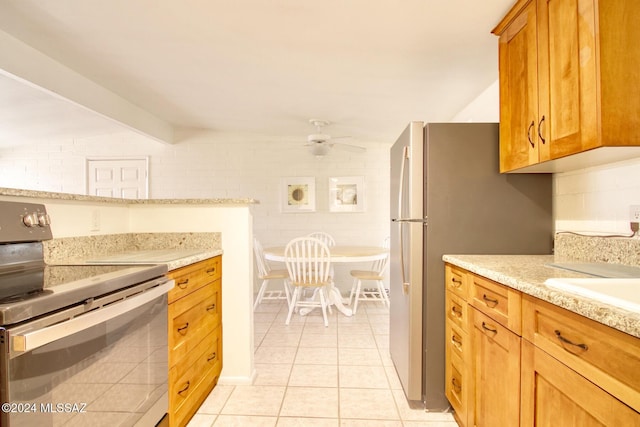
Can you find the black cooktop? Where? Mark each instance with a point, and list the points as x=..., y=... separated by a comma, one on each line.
x=34, y=291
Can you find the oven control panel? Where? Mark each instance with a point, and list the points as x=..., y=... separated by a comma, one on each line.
x=24, y=222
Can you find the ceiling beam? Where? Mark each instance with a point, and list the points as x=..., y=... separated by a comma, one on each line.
x=30, y=66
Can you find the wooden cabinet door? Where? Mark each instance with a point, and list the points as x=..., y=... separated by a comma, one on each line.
x=567, y=57
x=555, y=396
x=518, y=91
x=497, y=373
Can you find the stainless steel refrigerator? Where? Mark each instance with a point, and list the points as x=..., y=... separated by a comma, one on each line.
x=447, y=197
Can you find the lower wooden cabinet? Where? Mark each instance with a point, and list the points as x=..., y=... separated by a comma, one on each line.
x=554, y=395
x=458, y=351
x=497, y=373
x=563, y=370
x=195, y=337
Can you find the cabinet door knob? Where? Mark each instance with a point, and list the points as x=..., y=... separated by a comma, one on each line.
x=211, y=307
x=457, y=282
x=533, y=123
x=540, y=130
x=211, y=357
x=183, y=283
x=183, y=329
x=211, y=270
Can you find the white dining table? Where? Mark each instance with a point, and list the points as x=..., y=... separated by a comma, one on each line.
x=339, y=254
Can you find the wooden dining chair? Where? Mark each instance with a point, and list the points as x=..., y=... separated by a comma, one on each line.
x=266, y=274
x=376, y=275
x=308, y=262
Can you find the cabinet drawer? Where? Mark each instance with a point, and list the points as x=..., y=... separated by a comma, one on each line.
x=194, y=276
x=458, y=341
x=457, y=311
x=608, y=357
x=456, y=281
x=193, y=317
x=190, y=382
x=455, y=387
x=499, y=302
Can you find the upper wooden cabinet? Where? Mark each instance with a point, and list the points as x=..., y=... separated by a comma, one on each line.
x=569, y=82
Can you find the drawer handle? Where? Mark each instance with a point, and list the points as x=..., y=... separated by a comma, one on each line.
x=456, y=311
x=456, y=386
x=488, y=300
x=211, y=307
x=183, y=329
x=211, y=270
x=489, y=328
x=566, y=341
x=457, y=282
x=529, y=134
x=186, y=387
x=211, y=357
x=183, y=284
x=456, y=341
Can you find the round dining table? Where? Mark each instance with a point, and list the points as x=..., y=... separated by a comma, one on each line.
x=339, y=254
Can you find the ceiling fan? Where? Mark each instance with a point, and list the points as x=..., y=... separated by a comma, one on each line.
x=321, y=143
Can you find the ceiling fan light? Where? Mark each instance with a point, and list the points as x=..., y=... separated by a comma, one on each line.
x=319, y=150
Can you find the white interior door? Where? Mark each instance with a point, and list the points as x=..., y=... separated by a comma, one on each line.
x=119, y=178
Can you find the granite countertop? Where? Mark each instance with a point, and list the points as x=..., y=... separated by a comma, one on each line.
x=82, y=197
x=527, y=273
x=172, y=258
x=175, y=250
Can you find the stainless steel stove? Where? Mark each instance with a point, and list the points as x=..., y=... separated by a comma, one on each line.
x=79, y=344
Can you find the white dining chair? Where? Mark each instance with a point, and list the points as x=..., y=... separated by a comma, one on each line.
x=376, y=275
x=266, y=274
x=308, y=261
x=326, y=238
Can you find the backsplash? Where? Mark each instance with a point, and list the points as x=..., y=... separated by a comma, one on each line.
x=78, y=248
x=614, y=250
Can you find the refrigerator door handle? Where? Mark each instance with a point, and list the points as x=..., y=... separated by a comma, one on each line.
x=405, y=157
x=424, y=221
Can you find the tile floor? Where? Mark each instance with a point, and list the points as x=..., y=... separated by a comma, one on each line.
x=309, y=375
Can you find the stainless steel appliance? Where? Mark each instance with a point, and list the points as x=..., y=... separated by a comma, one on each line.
x=447, y=197
x=79, y=345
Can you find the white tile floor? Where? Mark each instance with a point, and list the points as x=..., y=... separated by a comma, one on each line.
x=309, y=375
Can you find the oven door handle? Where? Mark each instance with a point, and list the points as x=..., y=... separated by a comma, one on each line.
x=28, y=341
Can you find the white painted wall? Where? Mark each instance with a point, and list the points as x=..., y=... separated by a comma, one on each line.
x=597, y=199
x=224, y=166
x=485, y=108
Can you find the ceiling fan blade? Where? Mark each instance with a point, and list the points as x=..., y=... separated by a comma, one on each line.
x=349, y=147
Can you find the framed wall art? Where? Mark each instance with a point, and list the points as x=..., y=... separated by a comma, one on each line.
x=298, y=194
x=346, y=194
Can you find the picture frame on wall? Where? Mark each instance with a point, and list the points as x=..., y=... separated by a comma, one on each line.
x=298, y=194
x=346, y=194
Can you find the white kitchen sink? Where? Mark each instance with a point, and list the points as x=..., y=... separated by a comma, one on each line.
x=623, y=293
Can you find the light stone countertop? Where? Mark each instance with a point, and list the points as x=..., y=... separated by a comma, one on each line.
x=82, y=197
x=173, y=249
x=527, y=273
x=192, y=259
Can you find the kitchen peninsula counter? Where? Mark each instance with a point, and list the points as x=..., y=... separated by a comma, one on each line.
x=527, y=273
x=15, y=192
